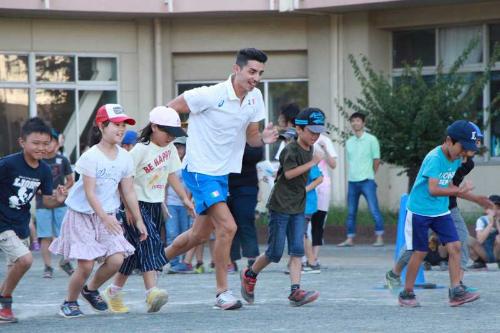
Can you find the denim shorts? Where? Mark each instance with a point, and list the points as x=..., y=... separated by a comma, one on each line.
x=49, y=221
x=283, y=227
x=207, y=190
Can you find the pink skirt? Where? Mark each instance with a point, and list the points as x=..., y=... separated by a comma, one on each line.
x=84, y=236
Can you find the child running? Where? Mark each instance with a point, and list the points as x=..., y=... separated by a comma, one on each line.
x=49, y=220
x=428, y=208
x=90, y=231
x=156, y=162
x=21, y=175
x=286, y=208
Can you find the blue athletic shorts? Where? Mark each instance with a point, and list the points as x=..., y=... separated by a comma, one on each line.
x=207, y=190
x=49, y=221
x=417, y=230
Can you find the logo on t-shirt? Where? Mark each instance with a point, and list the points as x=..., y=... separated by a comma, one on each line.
x=27, y=187
x=221, y=103
x=446, y=177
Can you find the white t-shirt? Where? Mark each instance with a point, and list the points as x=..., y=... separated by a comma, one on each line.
x=108, y=174
x=217, y=127
x=152, y=165
x=482, y=223
x=323, y=166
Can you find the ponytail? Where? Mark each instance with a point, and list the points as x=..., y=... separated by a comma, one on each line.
x=145, y=136
x=95, y=135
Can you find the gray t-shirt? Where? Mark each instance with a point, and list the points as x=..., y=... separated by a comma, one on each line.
x=60, y=168
x=289, y=195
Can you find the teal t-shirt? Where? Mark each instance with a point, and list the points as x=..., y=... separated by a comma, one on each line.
x=435, y=165
x=312, y=196
x=360, y=155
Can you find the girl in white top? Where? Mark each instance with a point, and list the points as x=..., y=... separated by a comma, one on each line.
x=90, y=230
x=155, y=164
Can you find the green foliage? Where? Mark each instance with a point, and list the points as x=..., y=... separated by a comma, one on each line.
x=410, y=113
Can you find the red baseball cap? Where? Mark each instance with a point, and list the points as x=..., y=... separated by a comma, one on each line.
x=113, y=113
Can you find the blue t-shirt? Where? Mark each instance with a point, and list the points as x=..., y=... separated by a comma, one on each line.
x=19, y=182
x=312, y=196
x=435, y=165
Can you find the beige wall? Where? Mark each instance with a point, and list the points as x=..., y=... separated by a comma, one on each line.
x=314, y=47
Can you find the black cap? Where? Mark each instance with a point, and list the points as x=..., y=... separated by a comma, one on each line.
x=313, y=118
x=495, y=199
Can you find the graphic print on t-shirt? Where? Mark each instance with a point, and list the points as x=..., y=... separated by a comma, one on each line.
x=26, y=190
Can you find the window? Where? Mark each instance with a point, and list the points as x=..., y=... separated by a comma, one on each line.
x=63, y=89
x=276, y=93
x=409, y=47
x=420, y=45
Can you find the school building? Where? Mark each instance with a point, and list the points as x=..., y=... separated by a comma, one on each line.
x=62, y=59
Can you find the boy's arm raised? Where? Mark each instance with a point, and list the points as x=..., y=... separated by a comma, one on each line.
x=301, y=169
x=451, y=190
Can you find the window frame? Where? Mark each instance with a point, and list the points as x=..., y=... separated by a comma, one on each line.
x=76, y=86
x=470, y=68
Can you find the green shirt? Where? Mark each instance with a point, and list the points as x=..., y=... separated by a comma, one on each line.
x=289, y=195
x=360, y=155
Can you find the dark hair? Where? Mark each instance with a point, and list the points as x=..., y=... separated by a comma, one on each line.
x=146, y=132
x=244, y=55
x=145, y=136
x=359, y=115
x=290, y=111
x=95, y=134
x=34, y=125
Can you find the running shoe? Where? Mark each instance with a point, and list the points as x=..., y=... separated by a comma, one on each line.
x=408, y=299
x=300, y=297
x=181, y=268
x=311, y=269
x=66, y=267
x=232, y=268
x=7, y=316
x=156, y=299
x=392, y=280
x=70, y=310
x=247, y=287
x=48, y=272
x=94, y=299
x=459, y=295
x=200, y=269
x=478, y=265
x=226, y=301
x=115, y=302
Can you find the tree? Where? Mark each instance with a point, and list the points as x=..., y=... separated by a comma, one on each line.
x=409, y=114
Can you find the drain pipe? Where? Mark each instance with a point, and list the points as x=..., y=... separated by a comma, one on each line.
x=158, y=62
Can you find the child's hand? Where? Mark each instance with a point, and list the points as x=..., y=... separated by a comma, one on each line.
x=142, y=230
x=112, y=225
x=466, y=187
x=316, y=158
x=61, y=193
x=190, y=207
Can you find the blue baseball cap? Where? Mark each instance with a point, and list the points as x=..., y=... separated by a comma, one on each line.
x=464, y=132
x=479, y=133
x=313, y=118
x=129, y=138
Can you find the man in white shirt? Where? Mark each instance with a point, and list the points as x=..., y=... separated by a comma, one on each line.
x=222, y=119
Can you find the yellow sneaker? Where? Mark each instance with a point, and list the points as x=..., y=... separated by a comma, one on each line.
x=115, y=302
x=156, y=299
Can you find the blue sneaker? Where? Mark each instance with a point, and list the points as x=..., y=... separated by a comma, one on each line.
x=94, y=299
x=181, y=268
x=70, y=310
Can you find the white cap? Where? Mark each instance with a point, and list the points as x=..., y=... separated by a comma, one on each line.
x=167, y=117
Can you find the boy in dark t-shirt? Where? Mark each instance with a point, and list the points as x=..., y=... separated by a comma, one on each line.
x=286, y=208
x=21, y=175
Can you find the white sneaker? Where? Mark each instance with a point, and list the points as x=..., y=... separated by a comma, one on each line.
x=226, y=301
